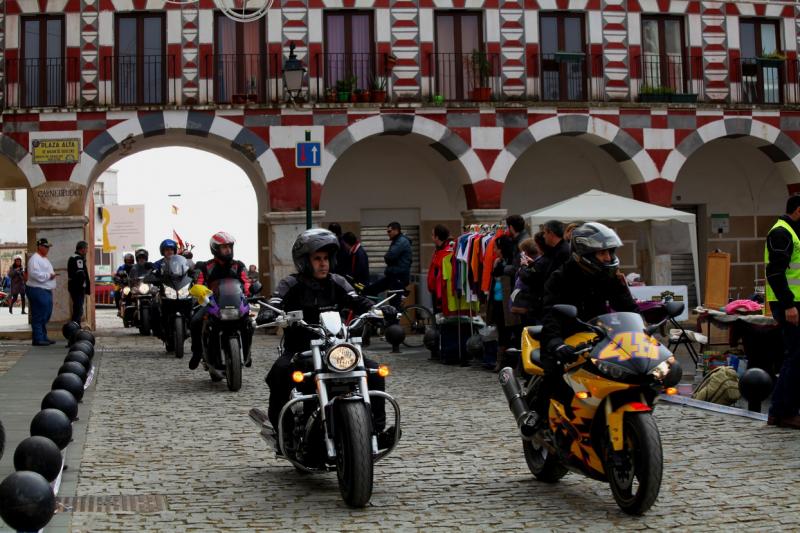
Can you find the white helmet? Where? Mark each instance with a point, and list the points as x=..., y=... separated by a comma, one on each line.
x=217, y=240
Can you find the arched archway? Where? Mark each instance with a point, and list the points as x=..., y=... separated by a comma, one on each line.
x=735, y=175
x=15, y=196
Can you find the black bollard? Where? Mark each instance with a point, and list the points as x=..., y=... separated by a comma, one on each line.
x=69, y=330
x=54, y=425
x=27, y=502
x=395, y=335
x=38, y=454
x=84, y=335
x=73, y=367
x=62, y=400
x=755, y=386
x=79, y=357
x=69, y=382
x=83, y=346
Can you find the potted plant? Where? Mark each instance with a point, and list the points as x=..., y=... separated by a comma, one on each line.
x=773, y=59
x=655, y=93
x=481, y=70
x=378, y=92
x=343, y=88
x=438, y=99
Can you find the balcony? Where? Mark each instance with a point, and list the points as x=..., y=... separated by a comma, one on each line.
x=667, y=78
x=569, y=77
x=764, y=80
x=243, y=78
x=42, y=82
x=459, y=77
x=354, y=77
x=138, y=80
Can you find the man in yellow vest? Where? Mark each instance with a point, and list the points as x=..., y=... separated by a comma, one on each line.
x=782, y=257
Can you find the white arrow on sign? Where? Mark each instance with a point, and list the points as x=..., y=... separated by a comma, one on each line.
x=314, y=154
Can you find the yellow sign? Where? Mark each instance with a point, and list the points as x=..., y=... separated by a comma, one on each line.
x=630, y=344
x=55, y=150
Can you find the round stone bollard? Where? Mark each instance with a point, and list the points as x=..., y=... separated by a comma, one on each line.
x=79, y=357
x=54, y=425
x=69, y=382
x=84, y=335
x=395, y=335
x=73, y=367
x=755, y=386
x=69, y=330
x=27, y=502
x=38, y=454
x=83, y=346
x=63, y=400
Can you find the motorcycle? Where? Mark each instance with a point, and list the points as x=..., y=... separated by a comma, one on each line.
x=330, y=428
x=175, y=303
x=2, y=439
x=125, y=308
x=227, y=313
x=142, y=292
x=605, y=430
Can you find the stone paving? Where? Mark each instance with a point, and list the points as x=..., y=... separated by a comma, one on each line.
x=162, y=432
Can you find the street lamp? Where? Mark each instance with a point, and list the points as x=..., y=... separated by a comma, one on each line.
x=293, y=74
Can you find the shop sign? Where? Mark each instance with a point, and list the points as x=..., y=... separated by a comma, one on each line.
x=46, y=151
x=720, y=223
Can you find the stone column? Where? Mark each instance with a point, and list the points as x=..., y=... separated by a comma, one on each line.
x=62, y=231
x=484, y=216
x=283, y=229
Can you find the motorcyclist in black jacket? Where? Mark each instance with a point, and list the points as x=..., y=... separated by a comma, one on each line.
x=590, y=281
x=314, y=289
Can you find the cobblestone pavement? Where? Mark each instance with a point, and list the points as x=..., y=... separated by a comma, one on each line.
x=160, y=431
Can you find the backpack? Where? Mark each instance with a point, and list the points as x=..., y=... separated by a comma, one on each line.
x=721, y=386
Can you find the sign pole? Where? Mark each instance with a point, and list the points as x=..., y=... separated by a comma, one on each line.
x=308, y=189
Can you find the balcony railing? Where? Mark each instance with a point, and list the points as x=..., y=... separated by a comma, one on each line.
x=770, y=81
x=354, y=77
x=243, y=78
x=42, y=82
x=465, y=77
x=136, y=80
x=567, y=77
x=667, y=78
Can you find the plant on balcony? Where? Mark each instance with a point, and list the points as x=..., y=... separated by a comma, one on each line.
x=378, y=92
x=773, y=59
x=481, y=70
x=655, y=93
x=344, y=88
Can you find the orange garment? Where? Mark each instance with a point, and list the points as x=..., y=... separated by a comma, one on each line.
x=488, y=261
x=476, y=258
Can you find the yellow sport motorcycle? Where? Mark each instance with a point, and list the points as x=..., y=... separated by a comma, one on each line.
x=605, y=430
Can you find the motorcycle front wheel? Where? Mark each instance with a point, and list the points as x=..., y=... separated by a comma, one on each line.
x=354, y=453
x=2, y=440
x=178, y=332
x=233, y=364
x=144, y=321
x=635, y=474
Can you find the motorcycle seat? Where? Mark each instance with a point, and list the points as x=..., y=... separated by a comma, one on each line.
x=534, y=331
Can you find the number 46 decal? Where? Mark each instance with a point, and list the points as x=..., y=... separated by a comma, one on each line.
x=630, y=344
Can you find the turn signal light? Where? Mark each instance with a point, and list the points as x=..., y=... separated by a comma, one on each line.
x=297, y=376
x=582, y=395
x=383, y=371
x=671, y=391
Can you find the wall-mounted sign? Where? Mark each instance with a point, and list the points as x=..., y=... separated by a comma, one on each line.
x=55, y=150
x=720, y=223
x=58, y=198
x=123, y=227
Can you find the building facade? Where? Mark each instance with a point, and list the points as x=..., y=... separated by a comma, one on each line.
x=429, y=111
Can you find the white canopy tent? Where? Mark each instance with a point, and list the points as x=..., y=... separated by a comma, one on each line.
x=601, y=206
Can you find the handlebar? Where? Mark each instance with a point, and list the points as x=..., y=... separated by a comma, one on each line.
x=292, y=318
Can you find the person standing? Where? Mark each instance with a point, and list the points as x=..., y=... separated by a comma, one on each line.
x=39, y=289
x=444, y=247
x=397, y=274
x=358, y=261
x=17, y=288
x=342, y=257
x=252, y=273
x=782, y=257
x=78, y=282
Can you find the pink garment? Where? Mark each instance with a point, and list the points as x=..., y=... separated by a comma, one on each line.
x=742, y=305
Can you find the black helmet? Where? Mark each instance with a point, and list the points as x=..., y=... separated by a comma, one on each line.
x=591, y=238
x=141, y=252
x=128, y=259
x=310, y=241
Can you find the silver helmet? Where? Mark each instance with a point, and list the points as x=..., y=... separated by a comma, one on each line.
x=311, y=241
x=591, y=238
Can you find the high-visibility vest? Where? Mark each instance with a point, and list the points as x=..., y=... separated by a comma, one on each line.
x=793, y=272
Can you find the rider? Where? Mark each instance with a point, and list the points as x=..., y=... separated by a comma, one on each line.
x=121, y=276
x=209, y=273
x=590, y=281
x=314, y=289
x=167, y=248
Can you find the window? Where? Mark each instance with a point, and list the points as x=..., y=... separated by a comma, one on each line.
x=349, y=49
x=140, y=63
x=460, y=63
x=42, y=66
x=239, y=61
x=762, y=67
x=10, y=195
x=663, y=64
x=563, y=60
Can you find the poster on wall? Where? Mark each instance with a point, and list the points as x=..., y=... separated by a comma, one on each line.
x=123, y=227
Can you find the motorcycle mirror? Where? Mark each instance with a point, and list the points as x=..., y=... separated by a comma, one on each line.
x=674, y=308
x=652, y=328
x=569, y=311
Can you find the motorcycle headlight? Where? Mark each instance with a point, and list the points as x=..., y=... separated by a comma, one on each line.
x=229, y=313
x=183, y=292
x=144, y=288
x=342, y=358
x=126, y=291
x=611, y=370
x=661, y=371
x=169, y=292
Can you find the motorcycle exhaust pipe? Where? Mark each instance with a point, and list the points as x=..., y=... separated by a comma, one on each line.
x=525, y=418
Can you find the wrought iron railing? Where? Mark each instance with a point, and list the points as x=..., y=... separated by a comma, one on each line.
x=243, y=78
x=667, y=78
x=465, y=76
x=136, y=80
x=354, y=77
x=764, y=80
x=568, y=77
x=42, y=82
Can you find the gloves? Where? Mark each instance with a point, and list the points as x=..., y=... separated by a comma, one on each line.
x=566, y=354
x=265, y=316
x=389, y=314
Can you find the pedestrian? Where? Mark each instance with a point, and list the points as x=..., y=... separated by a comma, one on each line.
x=568, y=230
x=357, y=260
x=397, y=274
x=498, y=309
x=252, y=273
x=39, y=289
x=342, y=257
x=782, y=257
x=78, y=281
x=558, y=251
x=16, y=275
x=518, y=233
x=444, y=247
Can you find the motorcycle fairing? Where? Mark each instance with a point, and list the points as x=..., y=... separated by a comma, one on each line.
x=531, y=350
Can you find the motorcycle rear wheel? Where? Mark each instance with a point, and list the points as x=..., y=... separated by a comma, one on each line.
x=178, y=336
x=354, y=453
x=636, y=488
x=233, y=364
x=545, y=466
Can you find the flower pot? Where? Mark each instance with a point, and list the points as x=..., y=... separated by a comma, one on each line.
x=482, y=94
x=353, y=98
x=655, y=97
x=438, y=99
x=684, y=98
x=330, y=98
x=364, y=96
x=378, y=97
x=344, y=96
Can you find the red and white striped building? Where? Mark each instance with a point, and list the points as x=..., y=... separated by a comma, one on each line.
x=429, y=111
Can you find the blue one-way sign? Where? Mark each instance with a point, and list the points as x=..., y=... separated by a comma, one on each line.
x=308, y=155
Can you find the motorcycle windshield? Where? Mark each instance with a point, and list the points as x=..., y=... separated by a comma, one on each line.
x=138, y=272
x=627, y=344
x=174, y=270
x=228, y=293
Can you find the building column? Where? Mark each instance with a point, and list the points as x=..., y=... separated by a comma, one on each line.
x=63, y=232
x=484, y=216
x=283, y=229
x=657, y=191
